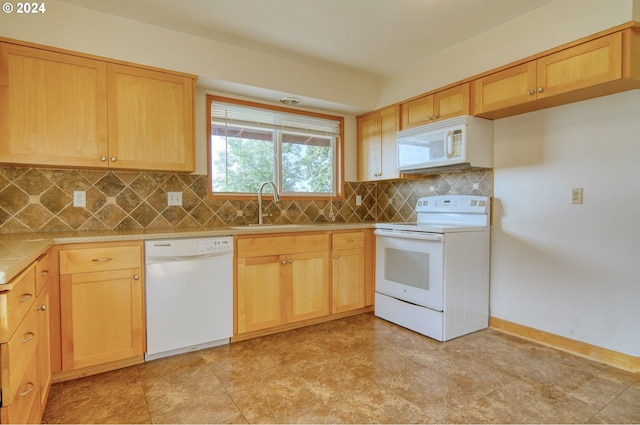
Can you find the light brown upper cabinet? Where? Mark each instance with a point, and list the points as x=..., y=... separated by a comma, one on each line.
x=53, y=108
x=150, y=119
x=576, y=73
x=377, y=145
x=439, y=106
x=70, y=110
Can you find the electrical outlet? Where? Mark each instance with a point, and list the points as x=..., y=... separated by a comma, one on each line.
x=80, y=198
x=576, y=195
x=174, y=198
x=358, y=200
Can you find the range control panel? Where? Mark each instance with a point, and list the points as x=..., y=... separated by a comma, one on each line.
x=454, y=204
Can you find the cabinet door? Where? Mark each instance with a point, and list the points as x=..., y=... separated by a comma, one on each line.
x=369, y=147
x=151, y=123
x=44, y=345
x=348, y=291
x=102, y=317
x=389, y=119
x=451, y=103
x=53, y=108
x=417, y=112
x=506, y=88
x=308, y=280
x=261, y=298
x=588, y=64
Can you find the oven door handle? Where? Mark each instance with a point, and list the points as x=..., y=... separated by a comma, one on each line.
x=408, y=234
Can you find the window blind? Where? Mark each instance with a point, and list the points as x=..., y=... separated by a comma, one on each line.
x=225, y=113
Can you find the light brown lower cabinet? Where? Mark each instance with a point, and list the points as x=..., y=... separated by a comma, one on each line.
x=101, y=307
x=25, y=372
x=348, y=271
x=281, y=280
x=293, y=280
x=41, y=309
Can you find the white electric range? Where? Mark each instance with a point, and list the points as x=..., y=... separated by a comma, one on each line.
x=432, y=275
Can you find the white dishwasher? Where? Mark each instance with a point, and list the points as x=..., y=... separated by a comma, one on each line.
x=189, y=294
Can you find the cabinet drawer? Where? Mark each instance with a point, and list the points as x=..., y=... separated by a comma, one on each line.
x=347, y=240
x=16, y=355
x=14, y=304
x=42, y=271
x=25, y=407
x=100, y=258
x=277, y=245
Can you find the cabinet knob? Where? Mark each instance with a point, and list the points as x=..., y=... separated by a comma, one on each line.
x=103, y=158
x=433, y=118
x=43, y=307
x=539, y=89
x=335, y=256
x=290, y=261
x=136, y=277
x=283, y=262
x=114, y=159
x=531, y=92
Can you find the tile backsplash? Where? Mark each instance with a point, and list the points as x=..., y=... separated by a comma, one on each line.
x=41, y=199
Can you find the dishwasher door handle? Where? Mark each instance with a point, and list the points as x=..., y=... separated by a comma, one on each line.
x=173, y=258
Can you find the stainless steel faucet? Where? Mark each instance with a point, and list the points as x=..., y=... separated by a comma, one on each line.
x=276, y=198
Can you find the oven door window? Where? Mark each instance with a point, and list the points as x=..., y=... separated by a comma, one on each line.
x=411, y=270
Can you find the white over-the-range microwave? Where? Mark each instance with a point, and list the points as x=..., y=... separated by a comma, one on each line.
x=457, y=143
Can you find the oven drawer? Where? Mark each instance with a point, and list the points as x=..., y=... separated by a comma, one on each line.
x=419, y=319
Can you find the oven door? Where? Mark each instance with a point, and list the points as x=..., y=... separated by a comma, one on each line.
x=410, y=267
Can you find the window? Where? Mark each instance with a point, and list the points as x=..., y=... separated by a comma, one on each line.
x=251, y=143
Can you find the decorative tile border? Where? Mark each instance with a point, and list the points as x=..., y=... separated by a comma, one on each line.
x=40, y=199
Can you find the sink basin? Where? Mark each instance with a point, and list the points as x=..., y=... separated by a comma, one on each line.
x=269, y=226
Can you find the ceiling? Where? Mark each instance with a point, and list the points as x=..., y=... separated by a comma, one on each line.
x=367, y=38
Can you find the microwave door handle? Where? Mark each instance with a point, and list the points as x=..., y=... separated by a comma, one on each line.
x=449, y=142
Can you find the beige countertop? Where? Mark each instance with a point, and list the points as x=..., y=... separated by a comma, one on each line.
x=18, y=250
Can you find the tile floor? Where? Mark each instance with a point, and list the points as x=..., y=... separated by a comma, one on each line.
x=356, y=370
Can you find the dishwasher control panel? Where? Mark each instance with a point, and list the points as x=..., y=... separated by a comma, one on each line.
x=187, y=249
x=214, y=246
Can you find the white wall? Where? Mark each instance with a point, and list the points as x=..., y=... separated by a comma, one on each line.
x=549, y=26
x=75, y=28
x=571, y=270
